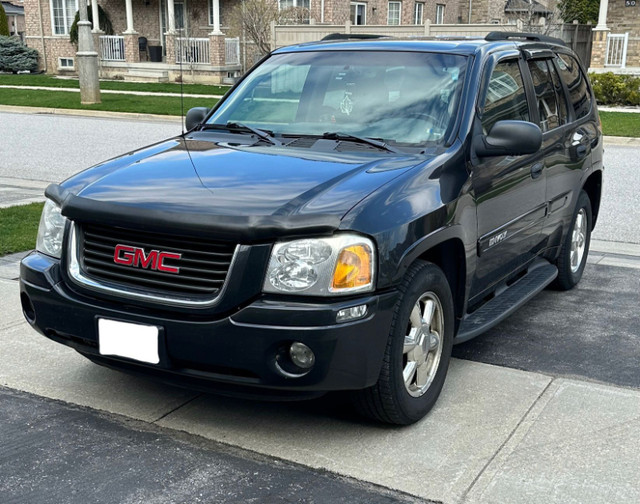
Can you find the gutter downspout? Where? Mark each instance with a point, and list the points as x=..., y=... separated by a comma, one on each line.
x=322, y=11
x=470, y=3
x=44, y=49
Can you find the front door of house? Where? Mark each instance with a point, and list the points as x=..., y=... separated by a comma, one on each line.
x=180, y=10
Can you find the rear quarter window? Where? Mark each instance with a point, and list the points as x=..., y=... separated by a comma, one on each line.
x=577, y=84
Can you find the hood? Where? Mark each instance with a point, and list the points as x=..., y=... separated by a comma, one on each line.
x=198, y=176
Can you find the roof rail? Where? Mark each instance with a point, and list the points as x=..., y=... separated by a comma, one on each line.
x=351, y=36
x=536, y=37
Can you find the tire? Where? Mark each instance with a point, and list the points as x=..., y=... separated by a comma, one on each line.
x=575, y=247
x=391, y=399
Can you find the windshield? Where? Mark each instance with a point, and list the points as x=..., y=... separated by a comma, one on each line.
x=402, y=98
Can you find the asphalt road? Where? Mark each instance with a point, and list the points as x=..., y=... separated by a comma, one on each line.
x=55, y=453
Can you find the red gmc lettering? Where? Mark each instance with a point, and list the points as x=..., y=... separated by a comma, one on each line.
x=136, y=257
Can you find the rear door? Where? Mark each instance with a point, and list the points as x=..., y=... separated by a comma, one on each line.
x=579, y=137
x=509, y=190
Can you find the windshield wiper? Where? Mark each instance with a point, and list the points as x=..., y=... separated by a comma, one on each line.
x=336, y=135
x=231, y=125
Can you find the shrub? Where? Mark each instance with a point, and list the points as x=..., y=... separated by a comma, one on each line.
x=103, y=17
x=612, y=89
x=15, y=57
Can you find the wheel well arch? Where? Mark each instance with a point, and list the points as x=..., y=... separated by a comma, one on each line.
x=593, y=187
x=449, y=256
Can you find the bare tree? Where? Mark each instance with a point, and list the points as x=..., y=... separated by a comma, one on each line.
x=253, y=19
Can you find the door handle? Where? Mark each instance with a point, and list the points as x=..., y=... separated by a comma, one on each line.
x=536, y=170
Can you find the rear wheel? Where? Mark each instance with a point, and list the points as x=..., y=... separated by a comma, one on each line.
x=418, y=350
x=575, y=248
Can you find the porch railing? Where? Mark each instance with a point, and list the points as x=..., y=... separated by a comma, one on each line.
x=112, y=47
x=617, y=50
x=192, y=50
x=232, y=51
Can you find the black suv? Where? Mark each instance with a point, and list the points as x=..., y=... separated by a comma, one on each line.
x=342, y=217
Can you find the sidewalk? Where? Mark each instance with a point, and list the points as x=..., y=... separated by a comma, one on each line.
x=497, y=435
x=111, y=91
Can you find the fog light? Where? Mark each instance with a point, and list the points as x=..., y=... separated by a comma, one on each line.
x=355, y=312
x=301, y=355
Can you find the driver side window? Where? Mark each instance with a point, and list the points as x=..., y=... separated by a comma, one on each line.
x=506, y=98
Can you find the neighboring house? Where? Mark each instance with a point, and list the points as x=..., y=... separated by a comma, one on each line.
x=192, y=31
x=616, y=38
x=15, y=18
x=151, y=39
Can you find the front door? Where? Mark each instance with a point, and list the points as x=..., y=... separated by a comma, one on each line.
x=180, y=10
x=509, y=190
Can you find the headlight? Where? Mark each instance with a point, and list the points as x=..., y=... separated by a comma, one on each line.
x=322, y=267
x=51, y=230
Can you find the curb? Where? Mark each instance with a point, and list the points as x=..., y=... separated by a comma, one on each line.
x=616, y=140
x=90, y=113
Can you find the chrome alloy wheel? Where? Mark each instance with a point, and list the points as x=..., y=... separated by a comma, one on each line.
x=578, y=240
x=423, y=344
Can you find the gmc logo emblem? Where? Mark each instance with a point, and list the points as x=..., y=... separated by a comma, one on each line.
x=136, y=257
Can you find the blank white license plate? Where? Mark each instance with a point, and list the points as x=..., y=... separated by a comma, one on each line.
x=134, y=341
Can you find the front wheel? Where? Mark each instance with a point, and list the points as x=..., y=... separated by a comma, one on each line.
x=418, y=350
x=575, y=248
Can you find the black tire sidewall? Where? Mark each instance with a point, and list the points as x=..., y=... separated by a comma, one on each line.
x=567, y=279
x=429, y=279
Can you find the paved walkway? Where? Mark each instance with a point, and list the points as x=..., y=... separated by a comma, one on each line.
x=111, y=91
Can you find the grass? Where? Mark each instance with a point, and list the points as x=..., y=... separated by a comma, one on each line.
x=625, y=124
x=163, y=105
x=152, y=87
x=19, y=227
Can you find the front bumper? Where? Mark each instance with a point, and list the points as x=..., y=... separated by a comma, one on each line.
x=232, y=353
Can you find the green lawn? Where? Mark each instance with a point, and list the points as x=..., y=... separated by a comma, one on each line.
x=117, y=103
x=159, y=87
x=624, y=124
x=19, y=227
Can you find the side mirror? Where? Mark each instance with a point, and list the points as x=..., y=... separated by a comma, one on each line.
x=509, y=138
x=195, y=116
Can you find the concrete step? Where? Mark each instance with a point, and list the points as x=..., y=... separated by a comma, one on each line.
x=146, y=75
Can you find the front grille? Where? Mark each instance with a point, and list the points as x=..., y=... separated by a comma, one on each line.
x=203, y=266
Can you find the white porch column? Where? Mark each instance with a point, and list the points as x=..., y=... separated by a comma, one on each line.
x=95, y=16
x=216, y=18
x=171, y=14
x=129, y=8
x=602, y=15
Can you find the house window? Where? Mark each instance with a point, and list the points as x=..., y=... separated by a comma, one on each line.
x=439, y=13
x=65, y=63
x=358, y=13
x=295, y=17
x=211, y=14
x=393, y=17
x=62, y=14
x=418, y=13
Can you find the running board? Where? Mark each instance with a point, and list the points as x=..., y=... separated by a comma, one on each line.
x=540, y=274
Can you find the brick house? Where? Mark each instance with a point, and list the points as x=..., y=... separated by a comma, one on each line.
x=616, y=38
x=151, y=39
x=15, y=17
x=192, y=31
x=505, y=11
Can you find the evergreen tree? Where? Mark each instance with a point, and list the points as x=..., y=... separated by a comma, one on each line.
x=4, y=27
x=584, y=11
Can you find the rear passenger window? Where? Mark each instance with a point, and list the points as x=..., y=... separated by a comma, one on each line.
x=545, y=95
x=506, y=98
x=576, y=83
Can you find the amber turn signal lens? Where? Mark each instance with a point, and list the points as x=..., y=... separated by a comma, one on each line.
x=353, y=268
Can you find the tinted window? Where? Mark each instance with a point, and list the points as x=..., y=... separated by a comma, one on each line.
x=563, y=111
x=576, y=83
x=506, y=98
x=545, y=95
